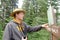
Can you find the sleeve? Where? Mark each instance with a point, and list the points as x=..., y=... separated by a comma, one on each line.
x=6, y=34
x=33, y=29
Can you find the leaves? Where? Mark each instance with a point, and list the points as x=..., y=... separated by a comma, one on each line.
x=36, y=14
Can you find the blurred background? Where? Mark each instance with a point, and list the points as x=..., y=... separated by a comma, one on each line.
x=36, y=14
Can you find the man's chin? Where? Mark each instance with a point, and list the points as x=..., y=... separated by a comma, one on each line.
x=21, y=19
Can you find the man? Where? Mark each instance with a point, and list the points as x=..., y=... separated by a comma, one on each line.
x=17, y=29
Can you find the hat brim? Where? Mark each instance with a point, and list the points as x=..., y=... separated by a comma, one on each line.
x=13, y=13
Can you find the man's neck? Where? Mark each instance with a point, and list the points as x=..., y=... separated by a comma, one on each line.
x=17, y=20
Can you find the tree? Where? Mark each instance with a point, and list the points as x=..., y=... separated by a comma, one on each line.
x=7, y=6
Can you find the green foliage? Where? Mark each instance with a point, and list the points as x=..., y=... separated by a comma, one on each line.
x=6, y=8
x=36, y=14
x=39, y=21
x=40, y=35
x=1, y=32
x=35, y=10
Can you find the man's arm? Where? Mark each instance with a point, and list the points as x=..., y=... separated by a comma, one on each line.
x=34, y=29
x=6, y=34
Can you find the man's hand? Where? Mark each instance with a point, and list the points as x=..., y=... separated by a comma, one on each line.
x=46, y=26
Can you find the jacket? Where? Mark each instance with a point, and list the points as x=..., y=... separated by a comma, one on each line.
x=12, y=33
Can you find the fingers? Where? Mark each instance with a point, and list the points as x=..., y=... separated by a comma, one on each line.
x=45, y=25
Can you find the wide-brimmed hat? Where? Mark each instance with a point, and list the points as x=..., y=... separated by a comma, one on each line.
x=16, y=11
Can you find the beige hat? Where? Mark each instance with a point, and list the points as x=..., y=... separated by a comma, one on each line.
x=16, y=11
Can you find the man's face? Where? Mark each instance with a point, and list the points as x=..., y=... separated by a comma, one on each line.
x=20, y=15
